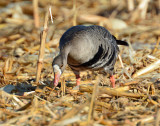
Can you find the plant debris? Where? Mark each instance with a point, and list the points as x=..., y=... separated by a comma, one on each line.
x=134, y=101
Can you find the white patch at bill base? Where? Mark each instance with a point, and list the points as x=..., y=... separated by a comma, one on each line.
x=56, y=69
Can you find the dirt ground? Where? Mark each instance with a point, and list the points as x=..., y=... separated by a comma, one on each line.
x=25, y=101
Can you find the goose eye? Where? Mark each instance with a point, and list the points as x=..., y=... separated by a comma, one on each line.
x=61, y=66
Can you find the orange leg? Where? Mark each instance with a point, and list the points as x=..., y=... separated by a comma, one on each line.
x=112, y=79
x=78, y=79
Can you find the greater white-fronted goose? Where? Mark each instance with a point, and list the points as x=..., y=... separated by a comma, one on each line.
x=87, y=48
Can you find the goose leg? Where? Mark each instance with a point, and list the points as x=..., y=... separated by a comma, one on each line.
x=78, y=78
x=112, y=79
x=110, y=71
